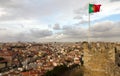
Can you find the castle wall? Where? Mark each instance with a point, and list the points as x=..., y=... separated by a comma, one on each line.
x=100, y=58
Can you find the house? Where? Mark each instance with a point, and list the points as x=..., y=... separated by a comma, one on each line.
x=7, y=55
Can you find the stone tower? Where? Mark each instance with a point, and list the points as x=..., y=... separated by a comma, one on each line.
x=98, y=57
x=117, y=55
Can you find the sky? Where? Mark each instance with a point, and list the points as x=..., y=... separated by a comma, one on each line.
x=58, y=21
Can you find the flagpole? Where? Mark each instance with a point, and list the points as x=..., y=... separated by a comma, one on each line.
x=92, y=9
x=89, y=27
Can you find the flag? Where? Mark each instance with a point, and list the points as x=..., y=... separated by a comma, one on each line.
x=94, y=8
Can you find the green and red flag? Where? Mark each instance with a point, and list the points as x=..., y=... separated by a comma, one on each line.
x=94, y=8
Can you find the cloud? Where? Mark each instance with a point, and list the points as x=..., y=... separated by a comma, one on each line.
x=40, y=33
x=3, y=29
x=81, y=12
x=20, y=17
x=106, y=30
x=74, y=32
x=102, y=27
x=56, y=27
x=25, y=9
x=34, y=9
x=31, y=35
x=114, y=0
x=102, y=31
x=108, y=8
x=78, y=17
x=83, y=21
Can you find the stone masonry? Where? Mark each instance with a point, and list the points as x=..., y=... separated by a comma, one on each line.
x=101, y=59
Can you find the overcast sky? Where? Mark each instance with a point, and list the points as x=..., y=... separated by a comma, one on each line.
x=58, y=20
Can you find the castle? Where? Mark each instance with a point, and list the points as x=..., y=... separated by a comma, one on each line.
x=101, y=58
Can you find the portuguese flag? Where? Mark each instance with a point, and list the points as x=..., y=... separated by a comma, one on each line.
x=94, y=8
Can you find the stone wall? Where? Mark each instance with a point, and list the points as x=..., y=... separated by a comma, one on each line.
x=117, y=56
x=101, y=59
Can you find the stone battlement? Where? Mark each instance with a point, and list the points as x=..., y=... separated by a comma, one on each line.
x=101, y=56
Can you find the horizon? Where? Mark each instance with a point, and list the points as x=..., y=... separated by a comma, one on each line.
x=62, y=42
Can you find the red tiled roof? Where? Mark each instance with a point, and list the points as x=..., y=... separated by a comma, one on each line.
x=32, y=73
x=6, y=53
x=25, y=73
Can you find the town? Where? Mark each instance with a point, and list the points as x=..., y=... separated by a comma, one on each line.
x=35, y=59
